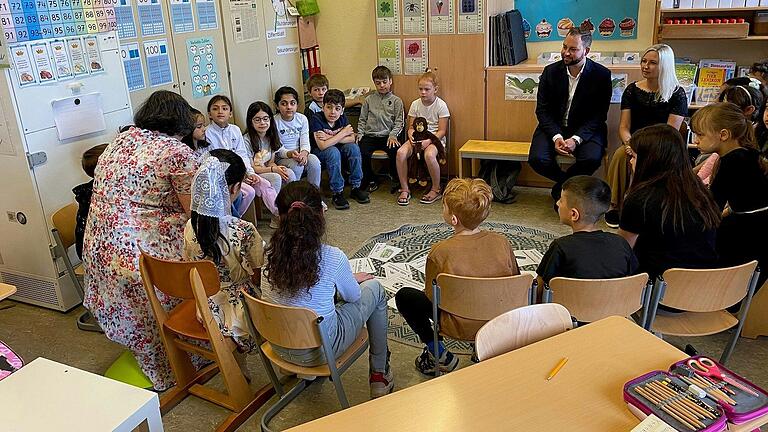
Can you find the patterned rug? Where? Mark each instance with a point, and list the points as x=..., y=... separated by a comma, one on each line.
x=416, y=240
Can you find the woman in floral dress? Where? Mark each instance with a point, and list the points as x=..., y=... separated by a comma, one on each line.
x=141, y=196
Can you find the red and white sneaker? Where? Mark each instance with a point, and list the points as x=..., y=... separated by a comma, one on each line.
x=381, y=383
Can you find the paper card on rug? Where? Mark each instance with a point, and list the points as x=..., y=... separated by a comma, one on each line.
x=384, y=252
x=393, y=284
x=398, y=270
x=362, y=265
x=420, y=263
x=391, y=303
x=528, y=257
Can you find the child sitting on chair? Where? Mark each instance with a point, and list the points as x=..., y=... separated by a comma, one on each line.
x=232, y=244
x=83, y=194
x=469, y=252
x=588, y=253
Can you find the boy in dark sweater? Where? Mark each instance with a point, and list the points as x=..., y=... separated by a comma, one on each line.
x=588, y=253
x=83, y=194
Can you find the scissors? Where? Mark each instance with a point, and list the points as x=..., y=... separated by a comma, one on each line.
x=706, y=367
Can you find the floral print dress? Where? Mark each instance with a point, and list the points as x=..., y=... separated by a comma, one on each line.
x=135, y=202
x=242, y=256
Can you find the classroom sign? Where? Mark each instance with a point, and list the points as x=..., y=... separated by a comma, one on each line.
x=550, y=20
x=202, y=67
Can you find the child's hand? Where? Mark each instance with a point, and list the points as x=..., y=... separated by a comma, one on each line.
x=425, y=143
x=295, y=156
x=252, y=179
x=362, y=277
x=282, y=171
x=348, y=130
x=302, y=158
x=392, y=142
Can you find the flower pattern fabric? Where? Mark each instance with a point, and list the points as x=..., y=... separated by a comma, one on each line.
x=135, y=203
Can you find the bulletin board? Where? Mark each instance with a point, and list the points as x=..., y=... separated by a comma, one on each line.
x=606, y=20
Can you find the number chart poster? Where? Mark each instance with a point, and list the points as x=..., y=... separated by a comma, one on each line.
x=202, y=67
x=550, y=20
x=45, y=19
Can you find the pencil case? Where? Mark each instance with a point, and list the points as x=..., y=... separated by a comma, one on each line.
x=657, y=392
x=748, y=406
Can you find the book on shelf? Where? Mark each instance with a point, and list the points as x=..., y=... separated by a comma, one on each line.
x=728, y=65
x=711, y=77
x=507, y=39
x=686, y=74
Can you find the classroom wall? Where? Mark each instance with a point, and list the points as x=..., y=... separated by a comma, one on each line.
x=346, y=32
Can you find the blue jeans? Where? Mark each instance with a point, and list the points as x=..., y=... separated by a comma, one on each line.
x=312, y=169
x=331, y=159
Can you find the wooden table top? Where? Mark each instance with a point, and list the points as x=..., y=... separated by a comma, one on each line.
x=481, y=146
x=510, y=392
x=6, y=290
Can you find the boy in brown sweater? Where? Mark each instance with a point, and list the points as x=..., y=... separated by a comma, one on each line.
x=469, y=252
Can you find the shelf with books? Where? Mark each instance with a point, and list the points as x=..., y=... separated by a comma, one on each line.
x=713, y=10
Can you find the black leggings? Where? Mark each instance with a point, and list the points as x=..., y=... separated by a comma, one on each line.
x=416, y=309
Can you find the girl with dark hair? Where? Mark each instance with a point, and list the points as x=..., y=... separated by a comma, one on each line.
x=669, y=217
x=232, y=244
x=141, y=196
x=304, y=272
x=196, y=140
x=739, y=184
x=262, y=142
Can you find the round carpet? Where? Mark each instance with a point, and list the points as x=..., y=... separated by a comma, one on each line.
x=416, y=240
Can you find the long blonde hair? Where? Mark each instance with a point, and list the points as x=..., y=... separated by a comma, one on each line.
x=668, y=82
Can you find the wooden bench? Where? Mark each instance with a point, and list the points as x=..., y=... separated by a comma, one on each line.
x=497, y=150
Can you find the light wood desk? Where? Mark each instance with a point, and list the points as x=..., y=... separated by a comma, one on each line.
x=6, y=290
x=49, y=396
x=510, y=392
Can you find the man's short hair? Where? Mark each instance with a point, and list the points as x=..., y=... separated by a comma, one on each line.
x=381, y=73
x=469, y=200
x=335, y=97
x=317, y=80
x=590, y=195
x=586, y=37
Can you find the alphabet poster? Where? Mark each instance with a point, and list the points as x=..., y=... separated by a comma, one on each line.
x=387, y=17
x=550, y=20
x=390, y=55
x=416, y=56
x=202, y=67
x=441, y=17
x=414, y=17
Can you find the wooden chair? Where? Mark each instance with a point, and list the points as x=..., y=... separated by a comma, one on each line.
x=194, y=282
x=756, y=323
x=591, y=300
x=64, y=221
x=297, y=328
x=479, y=299
x=703, y=296
x=520, y=327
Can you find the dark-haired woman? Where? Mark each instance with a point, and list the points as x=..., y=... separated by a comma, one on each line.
x=669, y=217
x=141, y=197
x=231, y=243
x=304, y=272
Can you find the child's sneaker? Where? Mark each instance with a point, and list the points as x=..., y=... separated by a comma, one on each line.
x=425, y=363
x=381, y=383
x=339, y=201
x=359, y=195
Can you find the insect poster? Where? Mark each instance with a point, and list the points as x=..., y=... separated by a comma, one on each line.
x=416, y=57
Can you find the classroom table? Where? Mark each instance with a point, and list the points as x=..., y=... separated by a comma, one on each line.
x=48, y=396
x=510, y=392
x=6, y=290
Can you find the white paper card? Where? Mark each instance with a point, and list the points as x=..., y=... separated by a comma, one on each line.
x=528, y=257
x=398, y=270
x=384, y=252
x=362, y=265
x=653, y=424
x=79, y=115
x=420, y=263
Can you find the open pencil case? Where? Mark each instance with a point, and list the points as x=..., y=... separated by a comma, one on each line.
x=747, y=407
x=658, y=392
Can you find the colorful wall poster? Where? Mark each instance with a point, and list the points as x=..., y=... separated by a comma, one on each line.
x=151, y=17
x=521, y=86
x=389, y=55
x=206, y=15
x=33, y=20
x=203, y=70
x=471, y=13
x=22, y=64
x=61, y=61
x=388, y=17
x=619, y=83
x=245, y=20
x=126, y=24
x=158, y=62
x=414, y=17
x=182, y=20
x=551, y=20
x=77, y=55
x=416, y=56
x=42, y=60
x=441, y=17
x=93, y=54
x=134, y=71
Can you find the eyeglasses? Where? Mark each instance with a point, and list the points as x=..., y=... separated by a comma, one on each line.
x=261, y=119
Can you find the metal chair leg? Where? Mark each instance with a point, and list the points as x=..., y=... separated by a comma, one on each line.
x=742, y=316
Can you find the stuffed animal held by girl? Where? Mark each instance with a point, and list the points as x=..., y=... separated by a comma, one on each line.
x=417, y=168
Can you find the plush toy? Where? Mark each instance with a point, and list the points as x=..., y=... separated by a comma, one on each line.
x=417, y=167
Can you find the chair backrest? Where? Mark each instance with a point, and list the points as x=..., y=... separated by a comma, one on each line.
x=172, y=277
x=590, y=300
x=285, y=326
x=483, y=298
x=520, y=327
x=65, y=220
x=707, y=290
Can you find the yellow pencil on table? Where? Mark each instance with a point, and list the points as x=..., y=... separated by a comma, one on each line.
x=557, y=368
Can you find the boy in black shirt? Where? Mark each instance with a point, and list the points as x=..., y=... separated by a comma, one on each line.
x=588, y=253
x=83, y=194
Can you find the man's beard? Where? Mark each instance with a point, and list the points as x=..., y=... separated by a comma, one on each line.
x=573, y=61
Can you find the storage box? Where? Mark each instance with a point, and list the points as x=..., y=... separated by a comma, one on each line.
x=704, y=31
x=738, y=3
x=761, y=24
x=753, y=3
x=686, y=4
x=711, y=4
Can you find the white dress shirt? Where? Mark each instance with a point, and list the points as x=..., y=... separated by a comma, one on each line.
x=573, y=82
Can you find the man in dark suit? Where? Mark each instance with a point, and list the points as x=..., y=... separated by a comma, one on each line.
x=572, y=106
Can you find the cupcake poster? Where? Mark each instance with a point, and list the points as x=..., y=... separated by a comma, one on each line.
x=551, y=20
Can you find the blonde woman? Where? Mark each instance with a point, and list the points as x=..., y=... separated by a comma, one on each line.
x=657, y=98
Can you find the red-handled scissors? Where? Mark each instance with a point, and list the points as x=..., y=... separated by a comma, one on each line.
x=706, y=367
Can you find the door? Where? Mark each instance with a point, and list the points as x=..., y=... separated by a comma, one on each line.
x=284, y=54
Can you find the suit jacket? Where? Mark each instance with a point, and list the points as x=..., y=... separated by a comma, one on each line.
x=589, y=108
